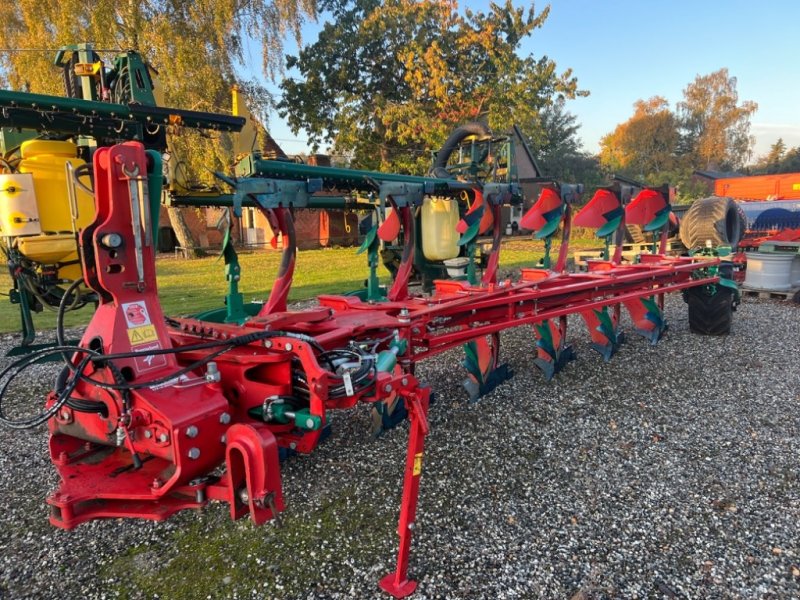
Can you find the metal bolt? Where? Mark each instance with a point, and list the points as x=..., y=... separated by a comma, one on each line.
x=387, y=388
x=224, y=439
x=194, y=453
x=163, y=437
x=191, y=431
x=310, y=423
x=156, y=483
x=111, y=240
x=244, y=496
x=288, y=345
x=293, y=445
x=224, y=418
x=267, y=343
x=212, y=372
x=148, y=434
x=404, y=381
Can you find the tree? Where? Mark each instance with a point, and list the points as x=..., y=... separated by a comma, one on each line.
x=791, y=161
x=775, y=156
x=558, y=148
x=716, y=126
x=195, y=45
x=644, y=145
x=387, y=81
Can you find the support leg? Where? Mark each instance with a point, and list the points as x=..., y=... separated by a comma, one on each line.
x=26, y=316
x=397, y=583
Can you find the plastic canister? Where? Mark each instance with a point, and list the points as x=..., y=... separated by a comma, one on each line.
x=46, y=160
x=439, y=236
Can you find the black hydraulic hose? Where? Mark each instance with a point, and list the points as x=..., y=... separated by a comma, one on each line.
x=224, y=345
x=62, y=309
x=84, y=170
x=13, y=370
x=65, y=384
x=452, y=142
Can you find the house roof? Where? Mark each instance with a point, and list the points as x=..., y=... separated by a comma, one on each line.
x=718, y=174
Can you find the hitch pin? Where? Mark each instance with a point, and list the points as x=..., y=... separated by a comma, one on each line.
x=144, y=207
x=135, y=188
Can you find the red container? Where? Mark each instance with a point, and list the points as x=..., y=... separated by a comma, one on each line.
x=784, y=186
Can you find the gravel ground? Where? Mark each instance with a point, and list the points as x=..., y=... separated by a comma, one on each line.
x=671, y=472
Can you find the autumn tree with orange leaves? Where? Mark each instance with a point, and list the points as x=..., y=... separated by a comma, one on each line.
x=709, y=130
x=646, y=143
x=716, y=126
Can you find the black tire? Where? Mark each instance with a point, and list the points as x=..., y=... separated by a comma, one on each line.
x=710, y=314
x=714, y=219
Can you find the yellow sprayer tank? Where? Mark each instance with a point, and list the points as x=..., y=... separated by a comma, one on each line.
x=45, y=233
x=439, y=235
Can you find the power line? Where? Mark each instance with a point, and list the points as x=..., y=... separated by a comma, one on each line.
x=56, y=49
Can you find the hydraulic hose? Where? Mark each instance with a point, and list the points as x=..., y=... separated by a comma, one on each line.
x=451, y=143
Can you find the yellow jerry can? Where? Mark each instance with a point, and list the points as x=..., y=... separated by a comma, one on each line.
x=439, y=236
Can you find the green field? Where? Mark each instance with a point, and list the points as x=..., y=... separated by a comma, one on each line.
x=190, y=286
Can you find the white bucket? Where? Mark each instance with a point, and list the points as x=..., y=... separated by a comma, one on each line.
x=766, y=271
x=456, y=267
x=795, y=277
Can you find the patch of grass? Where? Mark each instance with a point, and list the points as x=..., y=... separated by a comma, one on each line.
x=190, y=286
x=230, y=560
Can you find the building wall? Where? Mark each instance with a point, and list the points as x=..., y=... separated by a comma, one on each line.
x=313, y=229
x=202, y=222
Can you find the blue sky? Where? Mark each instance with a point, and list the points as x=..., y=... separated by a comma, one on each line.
x=624, y=50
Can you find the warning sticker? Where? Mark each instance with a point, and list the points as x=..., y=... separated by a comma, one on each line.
x=417, y=464
x=136, y=314
x=142, y=335
x=149, y=361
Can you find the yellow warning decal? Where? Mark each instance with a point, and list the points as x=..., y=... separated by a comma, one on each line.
x=143, y=334
x=796, y=186
x=417, y=464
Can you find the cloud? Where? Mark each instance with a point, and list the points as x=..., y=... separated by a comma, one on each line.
x=768, y=133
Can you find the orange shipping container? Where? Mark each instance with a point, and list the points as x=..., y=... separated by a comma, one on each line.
x=784, y=186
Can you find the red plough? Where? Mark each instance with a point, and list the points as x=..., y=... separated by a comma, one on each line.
x=151, y=406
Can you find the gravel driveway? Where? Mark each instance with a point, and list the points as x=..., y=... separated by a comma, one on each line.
x=671, y=472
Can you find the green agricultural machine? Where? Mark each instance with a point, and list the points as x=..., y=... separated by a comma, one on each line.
x=46, y=146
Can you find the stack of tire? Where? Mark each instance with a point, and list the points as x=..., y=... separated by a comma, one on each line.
x=712, y=222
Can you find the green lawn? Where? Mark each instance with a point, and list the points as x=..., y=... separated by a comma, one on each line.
x=190, y=286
